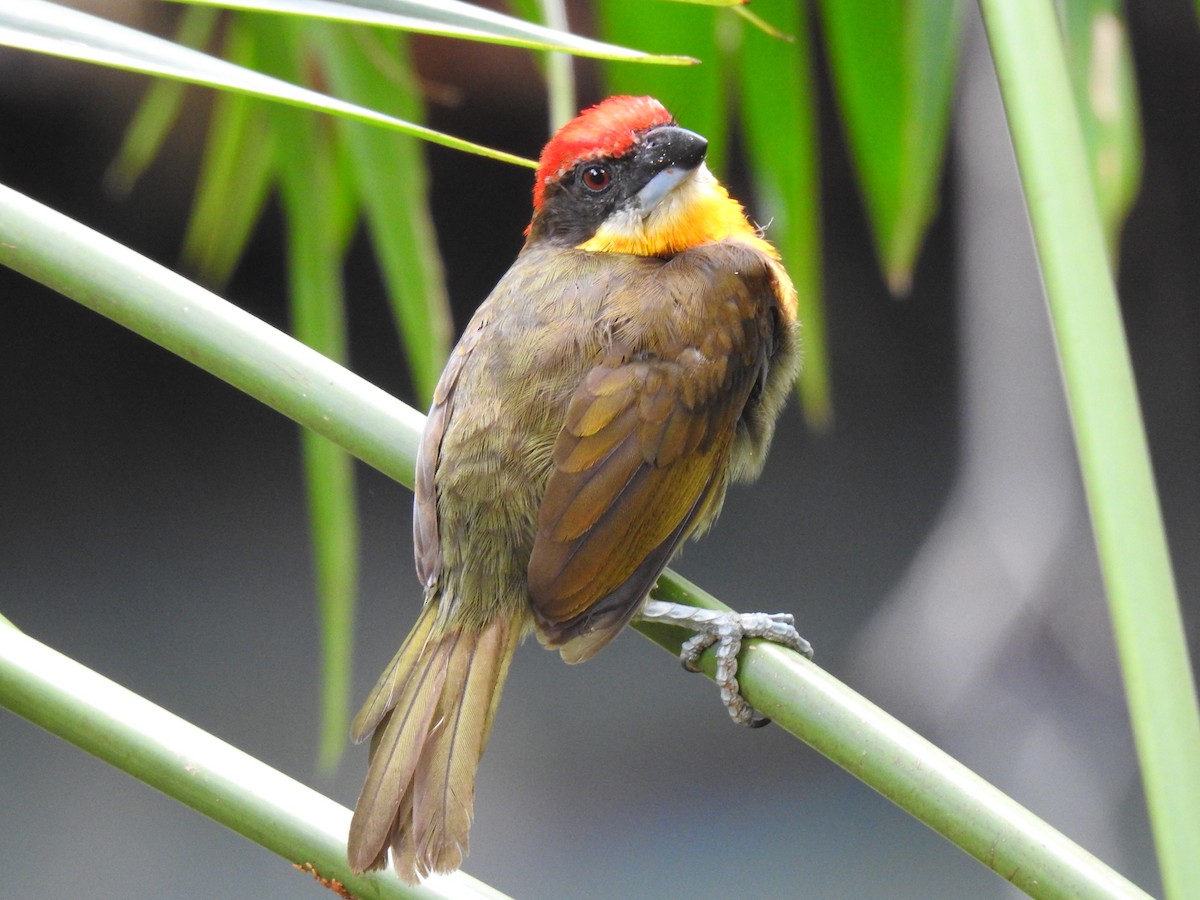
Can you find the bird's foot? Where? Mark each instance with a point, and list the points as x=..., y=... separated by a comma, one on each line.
x=726, y=630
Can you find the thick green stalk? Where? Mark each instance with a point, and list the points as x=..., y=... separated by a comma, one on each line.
x=808, y=702
x=195, y=768
x=202, y=328
x=383, y=432
x=1028, y=51
x=559, y=68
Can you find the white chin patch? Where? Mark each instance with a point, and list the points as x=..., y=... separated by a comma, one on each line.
x=664, y=184
x=665, y=196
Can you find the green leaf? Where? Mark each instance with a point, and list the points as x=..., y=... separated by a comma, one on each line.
x=893, y=67
x=757, y=21
x=159, y=109
x=447, y=18
x=384, y=167
x=778, y=103
x=695, y=96
x=317, y=205
x=1100, y=65
x=45, y=27
x=236, y=172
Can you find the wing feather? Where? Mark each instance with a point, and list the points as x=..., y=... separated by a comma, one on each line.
x=652, y=505
x=628, y=480
x=581, y=497
x=651, y=433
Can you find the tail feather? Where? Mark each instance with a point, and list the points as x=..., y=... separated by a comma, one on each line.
x=433, y=713
x=444, y=782
x=404, y=849
x=398, y=674
x=394, y=757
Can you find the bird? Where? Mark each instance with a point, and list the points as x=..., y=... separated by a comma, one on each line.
x=629, y=365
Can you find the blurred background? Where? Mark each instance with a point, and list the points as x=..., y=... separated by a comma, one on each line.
x=933, y=545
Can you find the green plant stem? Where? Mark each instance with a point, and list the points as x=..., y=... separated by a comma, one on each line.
x=1027, y=47
x=215, y=335
x=560, y=68
x=383, y=432
x=808, y=702
x=195, y=768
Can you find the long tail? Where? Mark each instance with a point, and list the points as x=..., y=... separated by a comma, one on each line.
x=431, y=714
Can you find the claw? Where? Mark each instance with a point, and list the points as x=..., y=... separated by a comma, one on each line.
x=727, y=630
x=693, y=648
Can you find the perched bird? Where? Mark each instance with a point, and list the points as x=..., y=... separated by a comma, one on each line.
x=629, y=365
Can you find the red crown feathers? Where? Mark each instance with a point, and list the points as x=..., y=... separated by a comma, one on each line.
x=607, y=129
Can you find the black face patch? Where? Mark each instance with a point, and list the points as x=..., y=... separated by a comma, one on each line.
x=577, y=204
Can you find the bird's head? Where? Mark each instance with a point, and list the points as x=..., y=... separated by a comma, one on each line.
x=623, y=177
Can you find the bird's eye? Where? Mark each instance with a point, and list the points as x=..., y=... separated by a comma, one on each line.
x=596, y=178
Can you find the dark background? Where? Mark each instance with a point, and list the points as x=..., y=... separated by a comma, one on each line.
x=933, y=545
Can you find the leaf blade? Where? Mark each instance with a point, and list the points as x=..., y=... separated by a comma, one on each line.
x=893, y=65
x=159, y=109
x=317, y=205
x=778, y=103
x=45, y=27
x=237, y=171
x=387, y=166
x=1100, y=65
x=448, y=18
